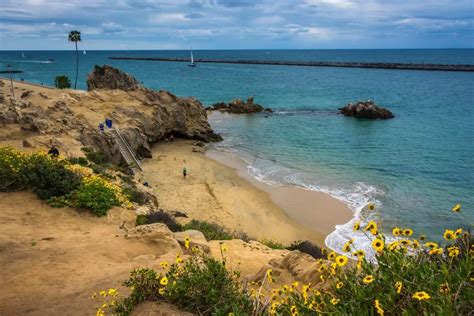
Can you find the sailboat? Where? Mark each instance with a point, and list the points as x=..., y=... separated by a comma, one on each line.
x=192, y=64
x=22, y=55
x=84, y=52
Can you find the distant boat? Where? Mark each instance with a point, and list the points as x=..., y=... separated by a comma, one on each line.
x=192, y=64
x=22, y=55
x=84, y=52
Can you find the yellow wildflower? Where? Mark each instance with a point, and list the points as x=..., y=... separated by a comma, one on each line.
x=332, y=255
x=378, y=244
x=294, y=310
x=285, y=288
x=347, y=247
x=436, y=251
x=398, y=286
x=444, y=288
x=322, y=268
x=422, y=237
x=356, y=226
x=339, y=285
x=415, y=244
x=405, y=242
x=269, y=275
x=164, y=264
x=393, y=245
x=295, y=284
x=186, y=242
x=378, y=307
x=161, y=291
x=359, y=254
x=453, y=253
x=341, y=261
x=334, y=301
x=164, y=281
x=458, y=232
x=372, y=227
x=368, y=279
x=421, y=296
x=371, y=206
x=397, y=231
x=449, y=234
x=407, y=232
x=456, y=208
x=224, y=248
x=431, y=245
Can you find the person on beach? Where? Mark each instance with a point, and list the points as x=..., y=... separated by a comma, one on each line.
x=184, y=172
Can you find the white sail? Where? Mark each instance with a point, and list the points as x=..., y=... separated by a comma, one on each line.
x=84, y=52
x=22, y=55
x=192, y=58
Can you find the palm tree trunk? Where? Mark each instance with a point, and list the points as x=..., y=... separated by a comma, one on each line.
x=77, y=66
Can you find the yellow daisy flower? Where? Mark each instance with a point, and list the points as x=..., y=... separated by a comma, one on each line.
x=356, y=226
x=334, y=301
x=456, y=208
x=378, y=244
x=398, y=286
x=397, y=231
x=449, y=234
x=339, y=285
x=164, y=281
x=444, y=288
x=368, y=279
x=421, y=296
x=341, y=261
x=407, y=232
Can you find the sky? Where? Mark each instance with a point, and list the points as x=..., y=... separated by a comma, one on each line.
x=237, y=24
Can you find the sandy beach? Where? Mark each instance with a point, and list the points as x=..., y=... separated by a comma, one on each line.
x=218, y=189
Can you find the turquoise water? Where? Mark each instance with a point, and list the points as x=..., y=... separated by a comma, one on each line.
x=415, y=167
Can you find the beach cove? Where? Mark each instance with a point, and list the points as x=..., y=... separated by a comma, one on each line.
x=219, y=189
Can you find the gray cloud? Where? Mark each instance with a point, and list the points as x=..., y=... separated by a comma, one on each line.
x=238, y=23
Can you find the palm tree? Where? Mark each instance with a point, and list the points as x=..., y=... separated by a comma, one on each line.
x=75, y=36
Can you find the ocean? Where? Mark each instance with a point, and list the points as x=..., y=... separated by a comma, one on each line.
x=414, y=167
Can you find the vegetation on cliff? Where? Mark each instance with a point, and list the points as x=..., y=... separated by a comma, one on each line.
x=411, y=277
x=58, y=181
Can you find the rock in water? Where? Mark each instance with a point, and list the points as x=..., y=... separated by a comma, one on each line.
x=238, y=106
x=366, y=110
x=111, y=78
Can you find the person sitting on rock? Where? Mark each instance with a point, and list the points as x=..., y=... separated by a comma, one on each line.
x=53, y=152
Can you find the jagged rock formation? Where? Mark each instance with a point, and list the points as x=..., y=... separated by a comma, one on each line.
x=238, y=106
x=366, y=110
x=69, y=119
x=111, y=78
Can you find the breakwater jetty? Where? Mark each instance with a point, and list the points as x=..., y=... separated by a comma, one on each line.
x=400, y=66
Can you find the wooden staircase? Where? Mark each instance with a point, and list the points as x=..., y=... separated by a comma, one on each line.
x=125, y=150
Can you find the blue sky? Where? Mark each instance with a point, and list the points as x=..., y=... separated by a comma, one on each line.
x=237, y=24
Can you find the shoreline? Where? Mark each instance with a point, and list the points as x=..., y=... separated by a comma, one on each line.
x=219, y=189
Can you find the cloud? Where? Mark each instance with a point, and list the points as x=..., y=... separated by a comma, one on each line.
x=238, y=23
x=111, y=27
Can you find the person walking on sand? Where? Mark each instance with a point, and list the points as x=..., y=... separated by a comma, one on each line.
x=185, y=172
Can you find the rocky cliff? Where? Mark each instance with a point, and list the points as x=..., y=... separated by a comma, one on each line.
x=366, y=110
x=69, y=119
x=238, y=106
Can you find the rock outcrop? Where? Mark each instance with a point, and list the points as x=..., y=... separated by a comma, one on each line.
x=111, y=78
x=70, y=119
x=366, y=110
x=238, y=106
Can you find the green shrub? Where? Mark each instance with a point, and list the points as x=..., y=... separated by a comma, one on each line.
x=81, y=161
x=12, y=167
x=97, y=157
x=273, y=244
x=201, y=285
x=135, y=195
x=159, y=217
x=96, y=195
x=141, y=220
x=49, y=177
x=210, y=230
x=307, y=247
x=62, y=82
